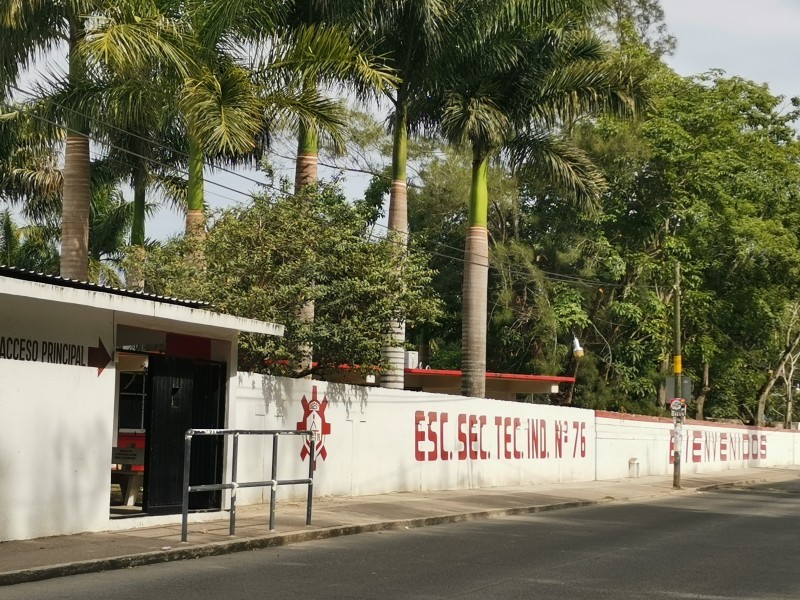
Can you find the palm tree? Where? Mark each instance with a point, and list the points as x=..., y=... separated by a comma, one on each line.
x=233, y=101
x=324, y=46
x=517, y=84
x=29, y=173
x=145, y=143
x=35, y=246
x=409, y=35
x=31, y=28
x=346, y=61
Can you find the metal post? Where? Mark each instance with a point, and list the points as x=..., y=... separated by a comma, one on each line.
x=274, y=487
x=677, y=359
x=311, y=467
x=676, y=467
x=234, y=466
x=677, y=369
x=187, y=451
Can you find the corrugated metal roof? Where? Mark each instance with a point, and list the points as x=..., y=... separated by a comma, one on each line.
x=26, y=275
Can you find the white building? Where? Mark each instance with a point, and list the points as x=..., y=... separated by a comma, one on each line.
x=72, y=359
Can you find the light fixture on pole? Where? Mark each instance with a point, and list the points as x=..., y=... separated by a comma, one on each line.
x=577, y=350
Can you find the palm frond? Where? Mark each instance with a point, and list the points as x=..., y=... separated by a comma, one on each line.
x=552, y=158
x=309, y=106
x=223, y=110
x=328, y=54
x=127, y=36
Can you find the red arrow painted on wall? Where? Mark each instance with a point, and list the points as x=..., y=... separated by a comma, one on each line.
x=98, y=357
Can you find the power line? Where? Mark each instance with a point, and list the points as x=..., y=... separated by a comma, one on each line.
x=562, y=278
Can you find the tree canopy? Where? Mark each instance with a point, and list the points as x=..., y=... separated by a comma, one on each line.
x=508, y=145
x=264, y=259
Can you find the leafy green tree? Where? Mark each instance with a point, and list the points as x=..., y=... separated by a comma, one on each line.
x=639, y=22
x=709, y=179
x=266, y=258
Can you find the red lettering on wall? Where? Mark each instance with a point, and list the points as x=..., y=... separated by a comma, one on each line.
x=473, y=437
x=507, y=437
x=462, y=437
x=432, y=434
x=697, y=446
x=498, y=425
x=469, y=438
x=482, y=424
x=443, y=454
x=517, y=453
x=419, y=435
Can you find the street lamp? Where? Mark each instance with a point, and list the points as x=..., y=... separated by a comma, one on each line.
x=577, y=350
x=577, y=355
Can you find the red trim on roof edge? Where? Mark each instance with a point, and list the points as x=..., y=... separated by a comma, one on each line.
x=515, y=376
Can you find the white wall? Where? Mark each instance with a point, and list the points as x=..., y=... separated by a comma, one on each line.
x=55, y=425
x=706, y=447
x=385, y=441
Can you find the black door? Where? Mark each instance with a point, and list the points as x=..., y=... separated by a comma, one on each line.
x=208, y=412
x=181, y=394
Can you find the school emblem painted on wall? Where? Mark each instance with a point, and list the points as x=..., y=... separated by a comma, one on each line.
x=314, y=420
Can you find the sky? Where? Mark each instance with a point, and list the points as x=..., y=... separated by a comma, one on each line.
x=754, y=39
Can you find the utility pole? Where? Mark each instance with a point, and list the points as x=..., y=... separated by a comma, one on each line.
x=678, y=405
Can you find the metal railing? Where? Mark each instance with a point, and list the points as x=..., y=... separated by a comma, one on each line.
x=234, y=485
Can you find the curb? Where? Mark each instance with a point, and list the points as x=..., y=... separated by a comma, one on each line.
x=258, y=543
x=271, y=541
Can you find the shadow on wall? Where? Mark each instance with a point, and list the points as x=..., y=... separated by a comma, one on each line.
x=352, y=397
x=280, y=393
x=274, y=391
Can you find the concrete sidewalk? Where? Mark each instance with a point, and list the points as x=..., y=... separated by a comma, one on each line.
x=43, y=558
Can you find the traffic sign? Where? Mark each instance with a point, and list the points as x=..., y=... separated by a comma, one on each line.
x=677, y=404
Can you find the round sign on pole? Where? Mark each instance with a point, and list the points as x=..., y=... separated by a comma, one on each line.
x=677, y=404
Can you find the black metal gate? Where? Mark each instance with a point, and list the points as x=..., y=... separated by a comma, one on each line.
x=181, y=394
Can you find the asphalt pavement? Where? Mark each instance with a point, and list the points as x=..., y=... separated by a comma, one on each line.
x=45, y=558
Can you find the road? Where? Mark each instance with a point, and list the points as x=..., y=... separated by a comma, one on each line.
x=735, y=543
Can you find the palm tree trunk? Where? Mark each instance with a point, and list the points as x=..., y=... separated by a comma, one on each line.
x=394, y=354
x=305, y=175
x=134, y=278
x=77, y=183
x=476, y=284
x=75, y=209
x=307, y=158
x=139, y=192
x=195, y=206
x=398, y=197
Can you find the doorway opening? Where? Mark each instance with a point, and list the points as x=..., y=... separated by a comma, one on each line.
x=159, y=397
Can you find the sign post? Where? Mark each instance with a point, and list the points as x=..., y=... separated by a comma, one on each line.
x=677, y=405
x=678, y=408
